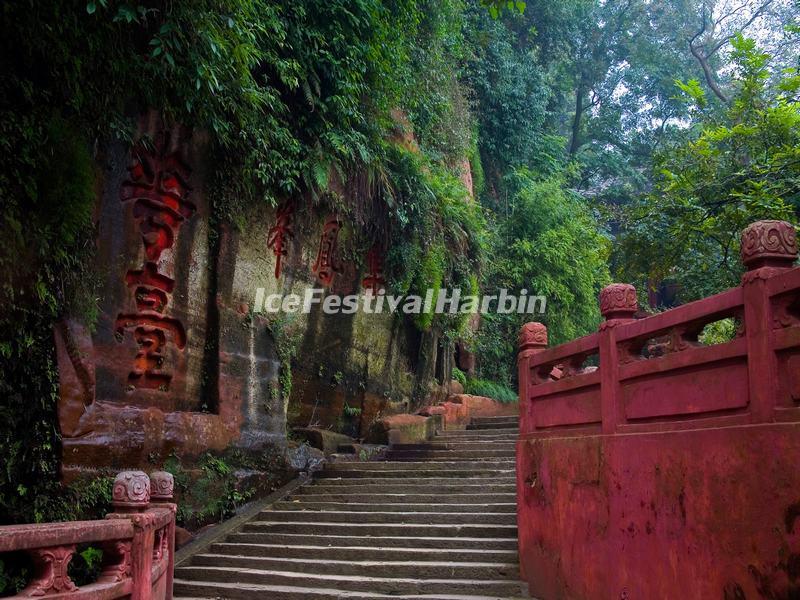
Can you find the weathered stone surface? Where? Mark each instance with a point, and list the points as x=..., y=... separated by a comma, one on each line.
x=480, y=406
x=402, y=429
x=456, y=415
x=323, y=439
x=423, y=528
x=427, y=411
x=304, y=458
x=162, y=486
x=182, y=537
x=177, y=362
x=686, y=506
x=456, y=387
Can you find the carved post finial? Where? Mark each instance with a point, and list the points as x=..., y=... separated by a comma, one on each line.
x=769, y=244
x=618, y=301
x=162, y=486
x=532, y=336
x=131, y=490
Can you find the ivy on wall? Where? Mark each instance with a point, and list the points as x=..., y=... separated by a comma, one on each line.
x=294, y=97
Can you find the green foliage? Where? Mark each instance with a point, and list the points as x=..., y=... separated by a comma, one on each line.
x=511, y=95
x=287, y=334
x=738, y=166
x=86, y=563
x=438, y=236
x=694, y=91
x=216, y=493
x=490, y=389
x=370, y=107
x=718, y=332
x=351, y=411
x=496, y=7
x=459, y=376
x=15, y=571
x=551, y=246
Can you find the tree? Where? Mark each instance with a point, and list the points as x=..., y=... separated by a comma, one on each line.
x=739, y=166
x=551, y=245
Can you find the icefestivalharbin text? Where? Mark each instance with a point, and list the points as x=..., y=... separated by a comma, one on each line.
x=437, y=301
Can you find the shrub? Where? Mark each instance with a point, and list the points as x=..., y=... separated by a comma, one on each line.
x=460, y=377
x=490, y=389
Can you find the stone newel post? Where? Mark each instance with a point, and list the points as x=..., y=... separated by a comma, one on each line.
x=131, y=492
x=618, y=304
x=131, y=499
x=768, y=248
x=532, y=340
x=162, y=490
x=770, y=244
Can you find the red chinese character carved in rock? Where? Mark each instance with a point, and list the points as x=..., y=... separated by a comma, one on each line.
x=279, y=235
x=327, y=263
x=374, y=280
x=158, y=187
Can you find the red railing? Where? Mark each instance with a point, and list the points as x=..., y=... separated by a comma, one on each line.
x=138, y=543
x=653, y=374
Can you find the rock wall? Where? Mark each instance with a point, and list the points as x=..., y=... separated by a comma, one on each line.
x=178, y=361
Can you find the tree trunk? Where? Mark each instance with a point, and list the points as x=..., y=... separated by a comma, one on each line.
x=576, y=121
x=712, y=82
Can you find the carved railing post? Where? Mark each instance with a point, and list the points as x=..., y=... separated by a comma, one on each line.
x=768, y=248
x=130, y=499
x=532, y=340
x=50, y=576
x=617, y=305
x=162, y=490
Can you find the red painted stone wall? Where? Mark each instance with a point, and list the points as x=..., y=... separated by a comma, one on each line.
x=690, y=514
x=667, y=468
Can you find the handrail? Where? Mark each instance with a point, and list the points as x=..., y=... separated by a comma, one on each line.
x=138, y=542
x=654, y=374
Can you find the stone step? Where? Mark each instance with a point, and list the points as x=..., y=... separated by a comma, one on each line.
x=366, y=553
x=413, y=485
x=356, y=496
x=498, y=419
x=384, y=529
x=509, y=439
x=507, y=463
x=433, y=454
x=356, y=504
x=454, y=544
x=496, y=426
x=478, y=434
x=445, y=569
x=374, y=585
x=435, y=521
x=209, y=589
x=431, y=518
x=457, y=444
x=436, y=471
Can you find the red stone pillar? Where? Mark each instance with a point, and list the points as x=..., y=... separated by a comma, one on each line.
x=617, y=305
x=131, y=499
x=532, y=340
x=162, y=491
x=768, y=248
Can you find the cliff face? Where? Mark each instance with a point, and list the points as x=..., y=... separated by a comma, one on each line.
x=179, y=361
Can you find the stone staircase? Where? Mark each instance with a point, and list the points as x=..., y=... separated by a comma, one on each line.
x=434, y=520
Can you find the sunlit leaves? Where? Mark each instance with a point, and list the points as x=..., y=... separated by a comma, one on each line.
x=741, y=165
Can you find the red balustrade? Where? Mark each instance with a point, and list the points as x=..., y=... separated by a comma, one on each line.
x=137, y=540
x=654, y=374
x=647, y=459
